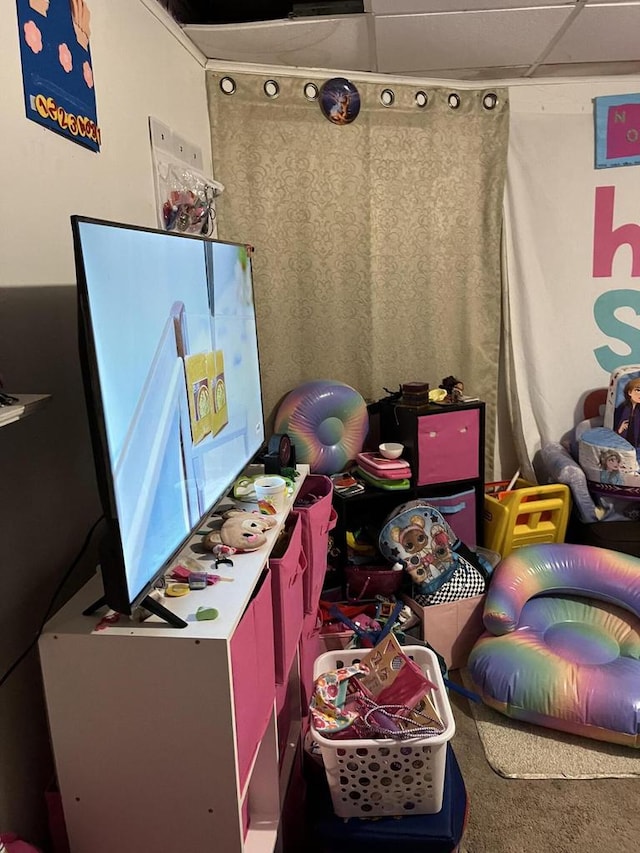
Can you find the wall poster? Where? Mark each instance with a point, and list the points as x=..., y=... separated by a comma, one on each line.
x=57, y=70
x=617, y=120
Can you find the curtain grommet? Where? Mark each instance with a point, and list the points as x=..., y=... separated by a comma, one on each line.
x=271, y=88
x=311, y=91
x=490, y=101
x=387, y=97
x=228, y=85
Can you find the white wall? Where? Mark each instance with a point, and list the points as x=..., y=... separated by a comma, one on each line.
x=48, y=498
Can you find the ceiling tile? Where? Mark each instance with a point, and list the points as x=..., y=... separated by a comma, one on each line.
x=602, y=33
x=423, y=43
x=401, y=7
x=338, y=42
x=442, y=38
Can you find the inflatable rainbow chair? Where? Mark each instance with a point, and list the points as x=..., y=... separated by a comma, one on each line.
x=562, y=647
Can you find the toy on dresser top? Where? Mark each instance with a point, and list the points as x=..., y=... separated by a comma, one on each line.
x=240, y=531
x=454, y=392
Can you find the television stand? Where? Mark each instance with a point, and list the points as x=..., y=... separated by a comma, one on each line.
x=149, y=604
x=203, y=704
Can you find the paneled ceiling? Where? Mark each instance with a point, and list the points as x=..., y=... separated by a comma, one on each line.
x=449, y=39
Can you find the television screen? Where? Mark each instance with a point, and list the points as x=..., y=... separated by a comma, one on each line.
x=169, y=354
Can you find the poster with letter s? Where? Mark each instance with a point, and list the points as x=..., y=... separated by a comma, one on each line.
x=57, y=71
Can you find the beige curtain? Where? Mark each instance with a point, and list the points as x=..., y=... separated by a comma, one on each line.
x=377, y=243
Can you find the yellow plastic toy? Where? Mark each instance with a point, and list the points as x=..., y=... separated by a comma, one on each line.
x=526, y=514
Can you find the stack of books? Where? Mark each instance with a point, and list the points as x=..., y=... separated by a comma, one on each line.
x=383, y=473
x=19, y=406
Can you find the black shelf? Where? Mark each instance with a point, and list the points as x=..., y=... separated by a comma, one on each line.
x=402, y=423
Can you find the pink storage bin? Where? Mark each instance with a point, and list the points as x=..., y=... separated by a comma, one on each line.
x=311, y=647
x=253, y=670
x=448, y=446
x=287, y=587
x=313, y=505
x=459, y=511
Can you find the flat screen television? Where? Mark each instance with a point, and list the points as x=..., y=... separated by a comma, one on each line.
x=169, y=355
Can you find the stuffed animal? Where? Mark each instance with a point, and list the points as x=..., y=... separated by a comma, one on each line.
x=240, y=531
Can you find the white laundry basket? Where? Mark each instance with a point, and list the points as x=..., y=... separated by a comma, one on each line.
x=376, y=777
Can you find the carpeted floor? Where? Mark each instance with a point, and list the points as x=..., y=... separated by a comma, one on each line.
x=541, y=815
x=520, y=750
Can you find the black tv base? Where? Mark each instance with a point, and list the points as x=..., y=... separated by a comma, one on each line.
x=149, y=604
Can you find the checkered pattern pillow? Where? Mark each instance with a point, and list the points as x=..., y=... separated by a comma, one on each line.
x=465, y=582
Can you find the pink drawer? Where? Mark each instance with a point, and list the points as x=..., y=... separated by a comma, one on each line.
x=448, y=446
x=460, y=512
x=313, y=504
x=287, y=576
x=253, y=670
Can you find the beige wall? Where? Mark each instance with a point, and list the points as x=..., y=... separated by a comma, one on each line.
x=47, y=492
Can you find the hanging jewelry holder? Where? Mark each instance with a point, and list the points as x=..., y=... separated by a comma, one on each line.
x=185, y=195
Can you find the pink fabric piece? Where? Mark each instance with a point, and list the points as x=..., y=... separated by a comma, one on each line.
x=13, y=844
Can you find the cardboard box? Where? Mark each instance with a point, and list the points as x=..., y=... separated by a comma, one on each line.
x=452, y=628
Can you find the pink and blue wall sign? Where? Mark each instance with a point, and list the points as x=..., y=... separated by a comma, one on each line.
x=617, y=129
x=57, y=71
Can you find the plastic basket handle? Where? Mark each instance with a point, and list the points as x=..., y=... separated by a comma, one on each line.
x=362, y=591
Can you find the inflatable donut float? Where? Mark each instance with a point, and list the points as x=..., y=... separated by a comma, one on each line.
x=327, y=422
x=563, y=643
